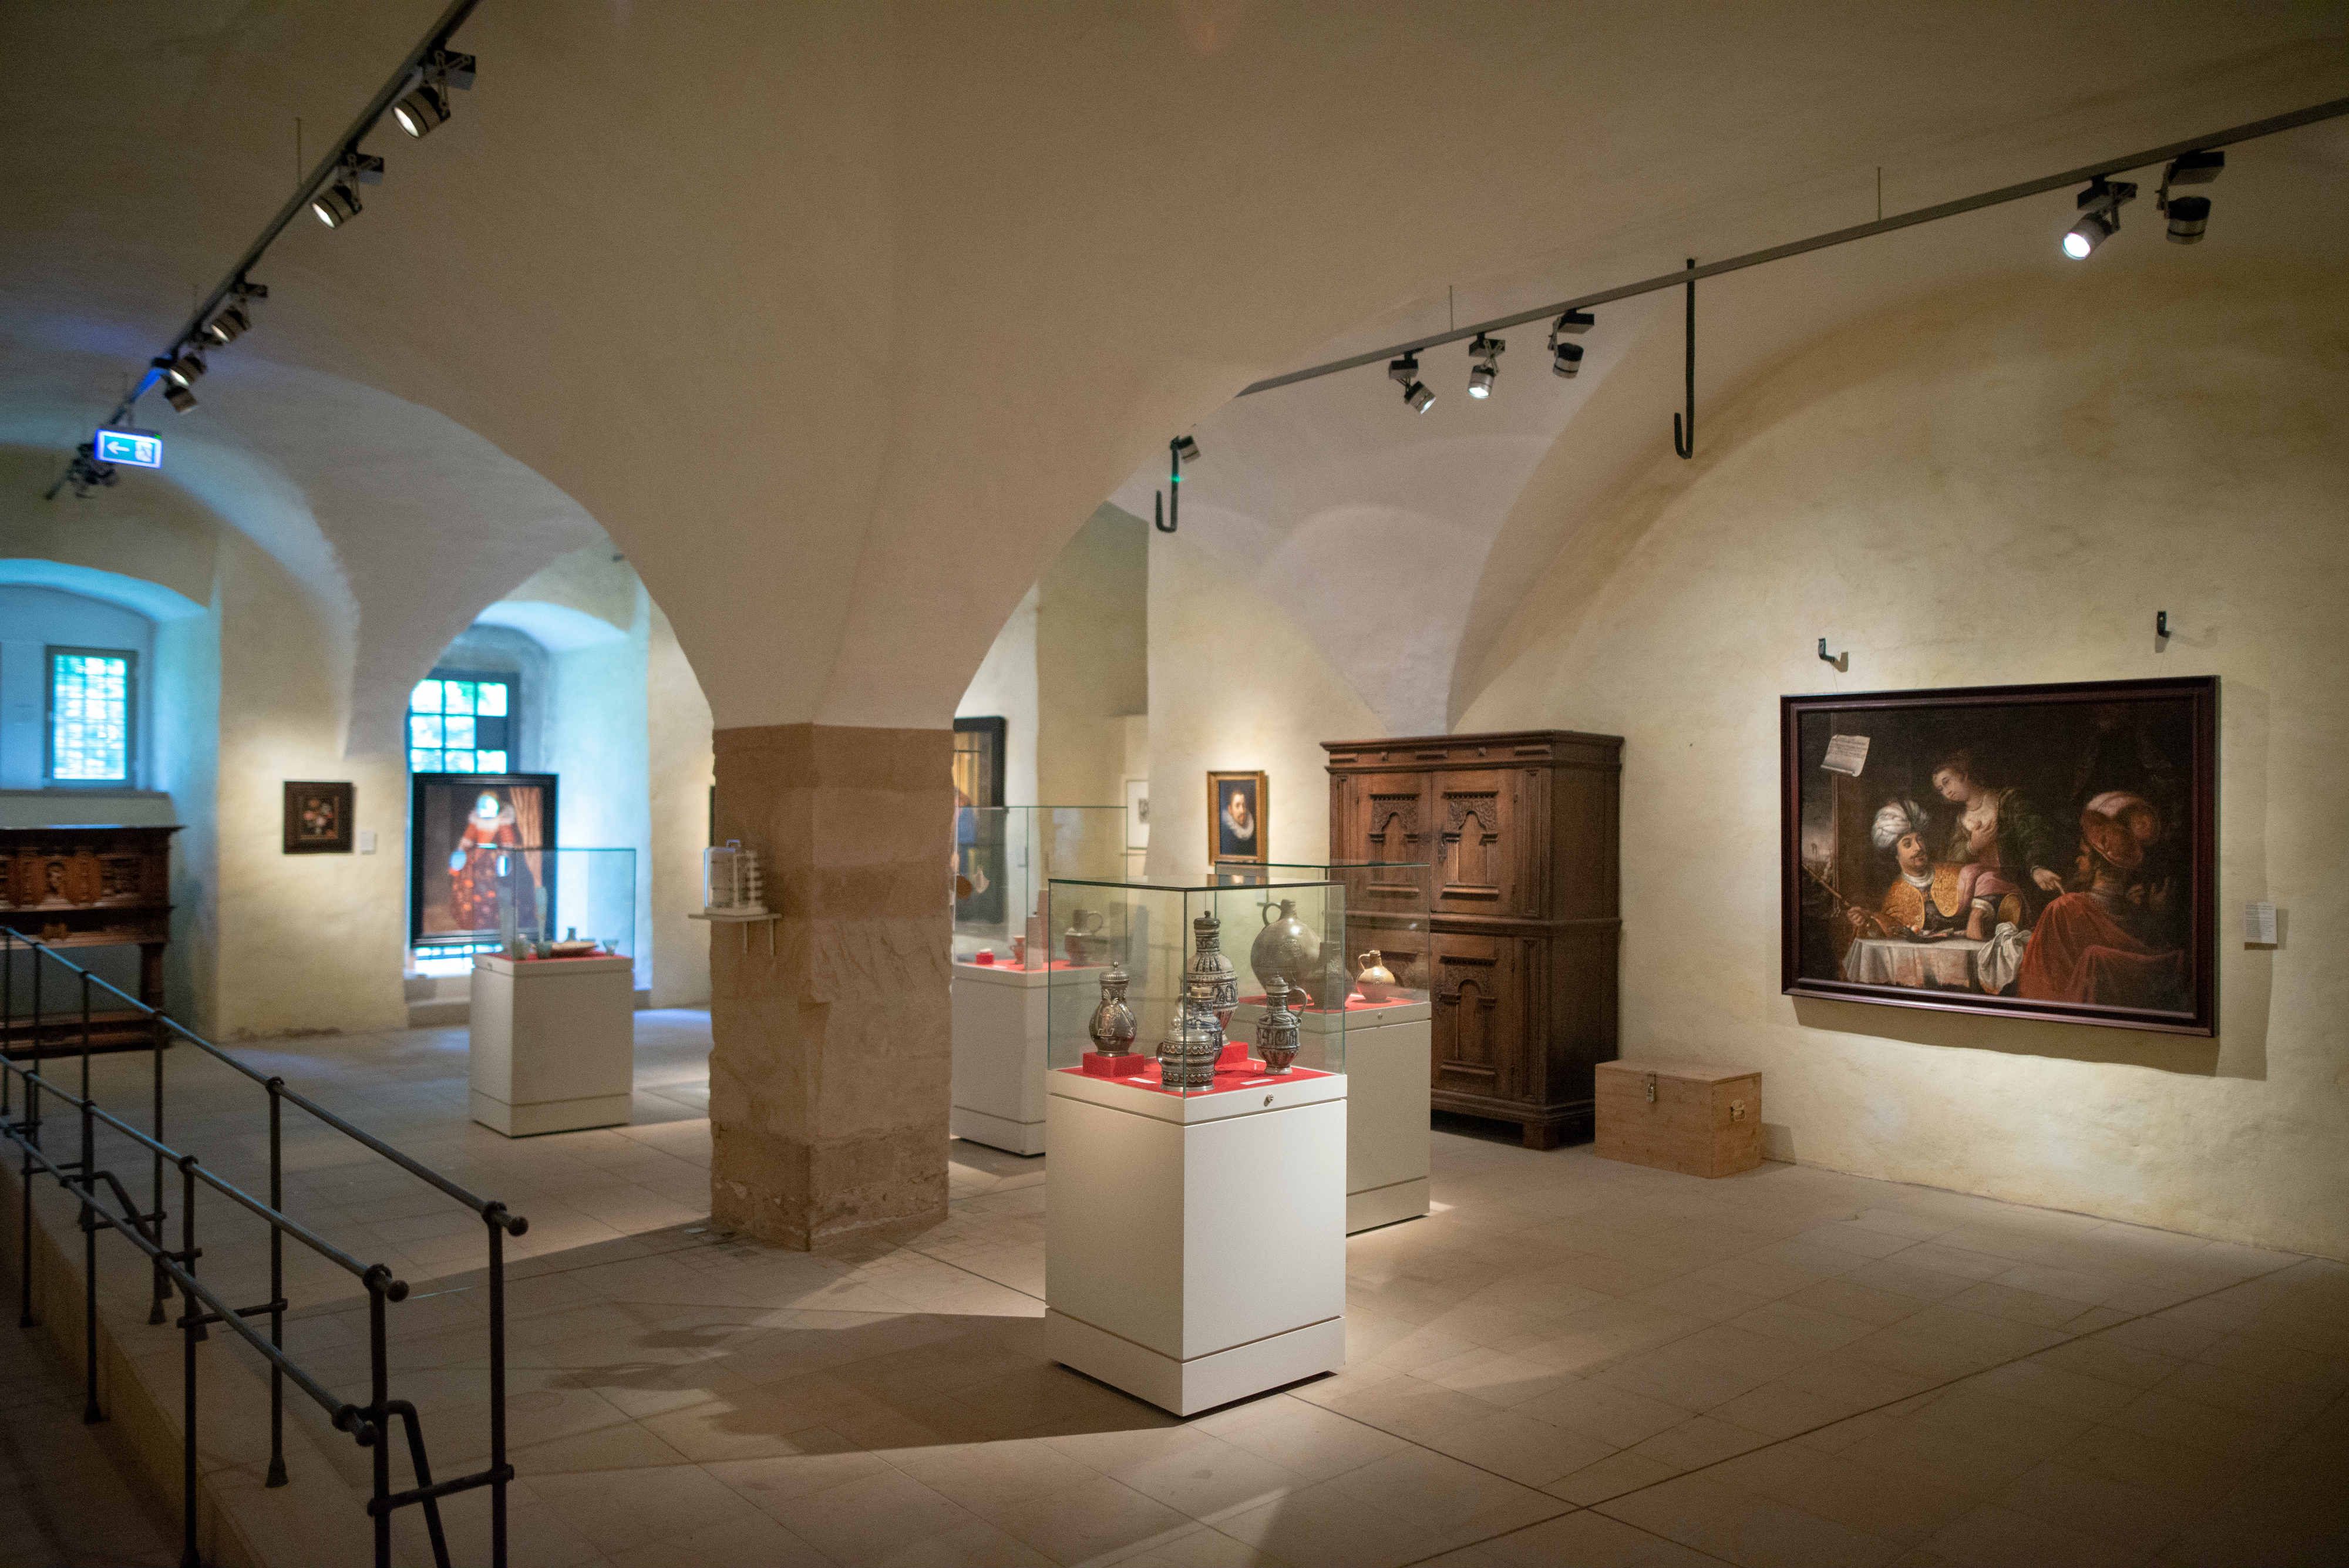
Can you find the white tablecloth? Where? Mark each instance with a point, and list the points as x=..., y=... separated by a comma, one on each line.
x=1953, y=963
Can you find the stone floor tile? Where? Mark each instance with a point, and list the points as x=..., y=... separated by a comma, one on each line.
x=1529, y=1452
x=1617, y=1416
x=1741, y=1528
x=1586, y=1539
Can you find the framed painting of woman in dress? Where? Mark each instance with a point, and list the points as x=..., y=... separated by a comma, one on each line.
x=2043, y=852
x=476, y=855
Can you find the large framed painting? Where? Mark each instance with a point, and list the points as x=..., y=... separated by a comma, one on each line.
x=476, y=848
x=2041, y=852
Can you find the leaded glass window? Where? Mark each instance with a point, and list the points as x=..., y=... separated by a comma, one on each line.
x=90, y=715
x=461, y=724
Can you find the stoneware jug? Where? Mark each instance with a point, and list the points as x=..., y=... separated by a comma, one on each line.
x=1277, y=1030
x=1112, y=1028
x=1209, y=980
x=1375, y=980
x=1287, y=948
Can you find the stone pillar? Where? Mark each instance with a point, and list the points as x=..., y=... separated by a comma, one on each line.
x=829, y=1081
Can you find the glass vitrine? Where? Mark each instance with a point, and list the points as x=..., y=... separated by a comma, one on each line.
x=571, y=896
x=1198, y=965
x=1004, y=857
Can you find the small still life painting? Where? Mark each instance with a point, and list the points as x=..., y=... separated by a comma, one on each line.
x=2035, y=851
x=317, y=817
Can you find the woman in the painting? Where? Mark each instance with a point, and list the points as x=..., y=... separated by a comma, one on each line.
x=473, y=865
x=2093, y=945
x=2000, y=831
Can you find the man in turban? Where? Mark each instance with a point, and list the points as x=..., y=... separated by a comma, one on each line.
x=1928, y=898
x=2092, y=945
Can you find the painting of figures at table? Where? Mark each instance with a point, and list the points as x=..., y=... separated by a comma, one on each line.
x=2042, y=851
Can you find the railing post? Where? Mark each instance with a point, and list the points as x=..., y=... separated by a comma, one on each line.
x=9, y=1014
x=277, y=1086
x=379, y=1414
x=90, y=1414
x=162, y=1279
x=496, y=1216
x=31, y=1126
x=192, y=1327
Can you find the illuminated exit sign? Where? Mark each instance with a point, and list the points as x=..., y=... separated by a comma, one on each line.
x=138, y=449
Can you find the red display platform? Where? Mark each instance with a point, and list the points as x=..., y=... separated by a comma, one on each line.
x=1010, y=968
x=1248, y=1075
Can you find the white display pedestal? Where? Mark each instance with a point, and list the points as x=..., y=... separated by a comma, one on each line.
x=1388, y=1049
x=1194, y=1246
x=554, y=1043
x=999, y=1043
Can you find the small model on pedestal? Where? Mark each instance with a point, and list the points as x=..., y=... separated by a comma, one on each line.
x=732, y=882
x=1210, y=981
x=1277, y=1030
x=1037, y=944
x=1376, y=983
x=1287, y=948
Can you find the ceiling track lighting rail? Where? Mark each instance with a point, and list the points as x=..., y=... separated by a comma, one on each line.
x=417, y=92
x=2188, y=169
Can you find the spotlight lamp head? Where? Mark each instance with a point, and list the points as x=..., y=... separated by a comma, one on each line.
x=179, y=397
x=184, y=369
x=231, y=324
x=1565, y=358
x=1486, y=352
x=420, y=112
x=340, y=203
x=2100, y=216
x=1186, y=450
x=1415, y=391
x=2188, y=217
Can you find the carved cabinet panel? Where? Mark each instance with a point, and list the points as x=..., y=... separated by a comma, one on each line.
x=1520, y=829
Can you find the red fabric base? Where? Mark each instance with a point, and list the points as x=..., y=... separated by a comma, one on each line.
x=1248, y=1075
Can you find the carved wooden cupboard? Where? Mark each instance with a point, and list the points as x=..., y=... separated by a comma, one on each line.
x=1521, y=830
x=87, y=886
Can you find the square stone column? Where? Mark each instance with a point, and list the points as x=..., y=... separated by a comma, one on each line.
x=829, y=1079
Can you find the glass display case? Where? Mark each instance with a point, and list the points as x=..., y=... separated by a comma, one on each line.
x=1004, y=857
x=1383, y=940
x=1207, y=986
x=571, y=896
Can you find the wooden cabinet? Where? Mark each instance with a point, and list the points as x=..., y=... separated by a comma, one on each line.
x=1521, y=830
x=90, y=886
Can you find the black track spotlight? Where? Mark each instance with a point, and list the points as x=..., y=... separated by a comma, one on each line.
x=1415, y=391
x=1574, y=322
x=184, y=369
x=231, y=324
x=2100, y=216
x=340, y=203
x=425, y=108
x=177, y=396
x=423, y=111
x=1486, y=352
x=2187, y=215
x=1565, y=358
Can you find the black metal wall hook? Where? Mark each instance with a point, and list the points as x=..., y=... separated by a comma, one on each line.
x=1686, y=446
x=1166, y=508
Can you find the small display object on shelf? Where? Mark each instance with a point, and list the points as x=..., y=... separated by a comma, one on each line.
x=1373, y=954
x=552, y=1014
x=733, y=884
x=317, y=817
x=1006, y=944
x=1195, y=1210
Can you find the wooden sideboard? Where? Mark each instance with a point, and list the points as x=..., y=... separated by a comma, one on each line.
x=1521, y=832
x=84, y=886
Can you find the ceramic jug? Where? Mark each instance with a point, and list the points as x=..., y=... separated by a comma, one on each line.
x=1112, y=1029
x=1287, y=948
x=1375, y=980
x=1209, y=980
x=1277, y=1030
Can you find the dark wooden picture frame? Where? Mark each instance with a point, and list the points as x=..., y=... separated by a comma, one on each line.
x=317, y=817
x=527, y=828
x=1228, y=846
x=2045, y=852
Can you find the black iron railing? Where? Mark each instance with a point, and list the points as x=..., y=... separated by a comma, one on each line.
x=107, y=1204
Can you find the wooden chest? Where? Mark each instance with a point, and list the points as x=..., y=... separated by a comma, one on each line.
x=1680, y=1116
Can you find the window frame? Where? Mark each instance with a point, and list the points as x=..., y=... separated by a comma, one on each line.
x=510, y=679
x=130, y=726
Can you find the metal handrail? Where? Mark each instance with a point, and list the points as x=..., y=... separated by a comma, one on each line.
x=370, y=1425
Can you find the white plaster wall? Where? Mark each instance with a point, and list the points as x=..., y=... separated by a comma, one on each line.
x=596, y=739
x=1236, y=683
x=1005, y=688
x=677, y=745
x=2002, y=486
x=1092, y=627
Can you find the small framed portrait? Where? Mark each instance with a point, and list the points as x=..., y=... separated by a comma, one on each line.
x=1236, y=803
x=317, y=817
x=1137, y=814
